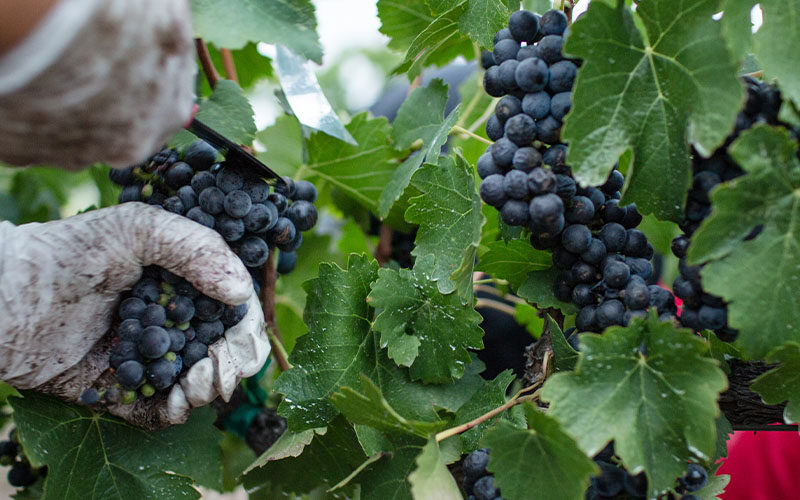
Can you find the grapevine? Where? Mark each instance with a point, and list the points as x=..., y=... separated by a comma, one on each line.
x=557, y=258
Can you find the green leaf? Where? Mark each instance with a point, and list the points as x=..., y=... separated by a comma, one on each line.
x=236, y=457
x=109, y=192
x=284, y=145
x=403, y=21
x=761, y=274
x=528, y=316
x=420, y=115
x=299, y=465
x=431, y=480
x=719, y=350
x=564, y=356
x=636, y=385
x=361, y=172
x=655, y=92
x=39, y=193
x=251, y=66
x=272, y=21
x=484, y=18
x=432, y=145
x=388, y=477
x=92, y=455
x=227, y=111
x=489, y=397
x=450, y=219
x=538, y=289
x=513, y=261
x=783, y=382
x=780, y=59
x=423, y=329
x=340, y=347
x=737, y=27
x=541, y=458
x=439, y=43
x=715, y=487
x=369, y=407
x=724, y=432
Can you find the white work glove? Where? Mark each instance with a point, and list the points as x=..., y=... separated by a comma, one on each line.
x=97, y=81
x=60, y=284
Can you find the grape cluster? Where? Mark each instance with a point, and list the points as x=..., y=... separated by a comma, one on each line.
x=477, y=482
x=602, y=258
x=21, y=474
x=702, y=310
x=614, y=482
x=165, y=327
x=235, y=203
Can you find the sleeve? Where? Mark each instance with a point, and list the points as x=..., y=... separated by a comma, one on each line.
x=97, y=80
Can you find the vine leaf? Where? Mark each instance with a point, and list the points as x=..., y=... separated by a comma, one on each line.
x=635, y=385
x=513, y=261
x=450, y=220
x=564, y=356
x=361, y=172
x=437, y=44
x=489, y=397
x=423, y=329
x=769, y=265
x=778, y=58
x=227, y=111
x=402, y=21
x=332, y=453
x=272, y=21
x=541, y=458
x=736, y=26
x=284, y=145
x=431, y=480
x=654, y=96
x=251, y=65
x=484, y=18
x=420, y=117
x=538, y=289
x=90, y=454
x=715, y=487
x=340, y=347
x=783, y=382
x=388, y=477
x=370, y=407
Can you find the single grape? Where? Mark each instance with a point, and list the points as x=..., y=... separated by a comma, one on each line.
x=515, y=213
x=178, y=174
x=640, y=267
x=679, y=245
x=122, y=176
x=154, y=342
x=553, y=22
x=258, y=190
x=130, y=374
x=526, y=52
x=695, y=478
x=492, y=190
x=154, y=315
x=293, y=245
x=146, y=290
x=613, y=236
x=180, y=309
x=560, y=105
x=609, y=313
x=131, y=308
x=234, y=314
x=173, y=204
x=583, y=272
x=713, y=318
x=228, y=179
x=507, y=74
x=550, y=48
x=532, y=75
x=281, y=233
x=614, y=182
x=635, y=243
x=131, y=330
x=304, y=191
x=254, y=251
x=176, y=339
x=231, y=229
x=556, y=157
x=198, y=215
x=636, y=294
x=200, y=154
x=486, y=165
x=524, y=26
x=541, y=181
x=545, y=210
x=208, y=332
x=507, y=107
x=287, y=187
x=474, y=464
x=494, y=128
x=515, y=184
x=503, y=151
x=582, y=295
x=187, y=196
x=504, y=50
x=520, y=129
x=548, y=130
x=20, y=475
x=160, y=374
x=303, y=215
x=661, y=299
x=262, y=217
x=610, y=481
x=503, y=34
x=536, y=104
x=212, y=200
x=585, y=320
x=581, y=211
x=562, y=77
x=484, y=489
x=595, y=253
x=130, y=193
x=616, y=274
x=193, y=352
x=491, y=82
x=576, y=238
x=208, y=309
x=202, y=180
x=487, y=59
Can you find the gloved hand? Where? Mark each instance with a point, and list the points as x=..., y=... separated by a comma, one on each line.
x=97, y=81
x=61, y=282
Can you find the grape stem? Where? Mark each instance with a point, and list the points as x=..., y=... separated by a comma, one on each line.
x=228, y=65
x=518, y=398
x=205, y=62
x=374, y=458
x=496, y=305
x=461, y=130
x=268, y=306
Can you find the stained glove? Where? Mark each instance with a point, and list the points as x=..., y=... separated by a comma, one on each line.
x=97, y=81
x=60, y=283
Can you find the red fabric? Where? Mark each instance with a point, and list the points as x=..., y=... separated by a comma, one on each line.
x=763, y=466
